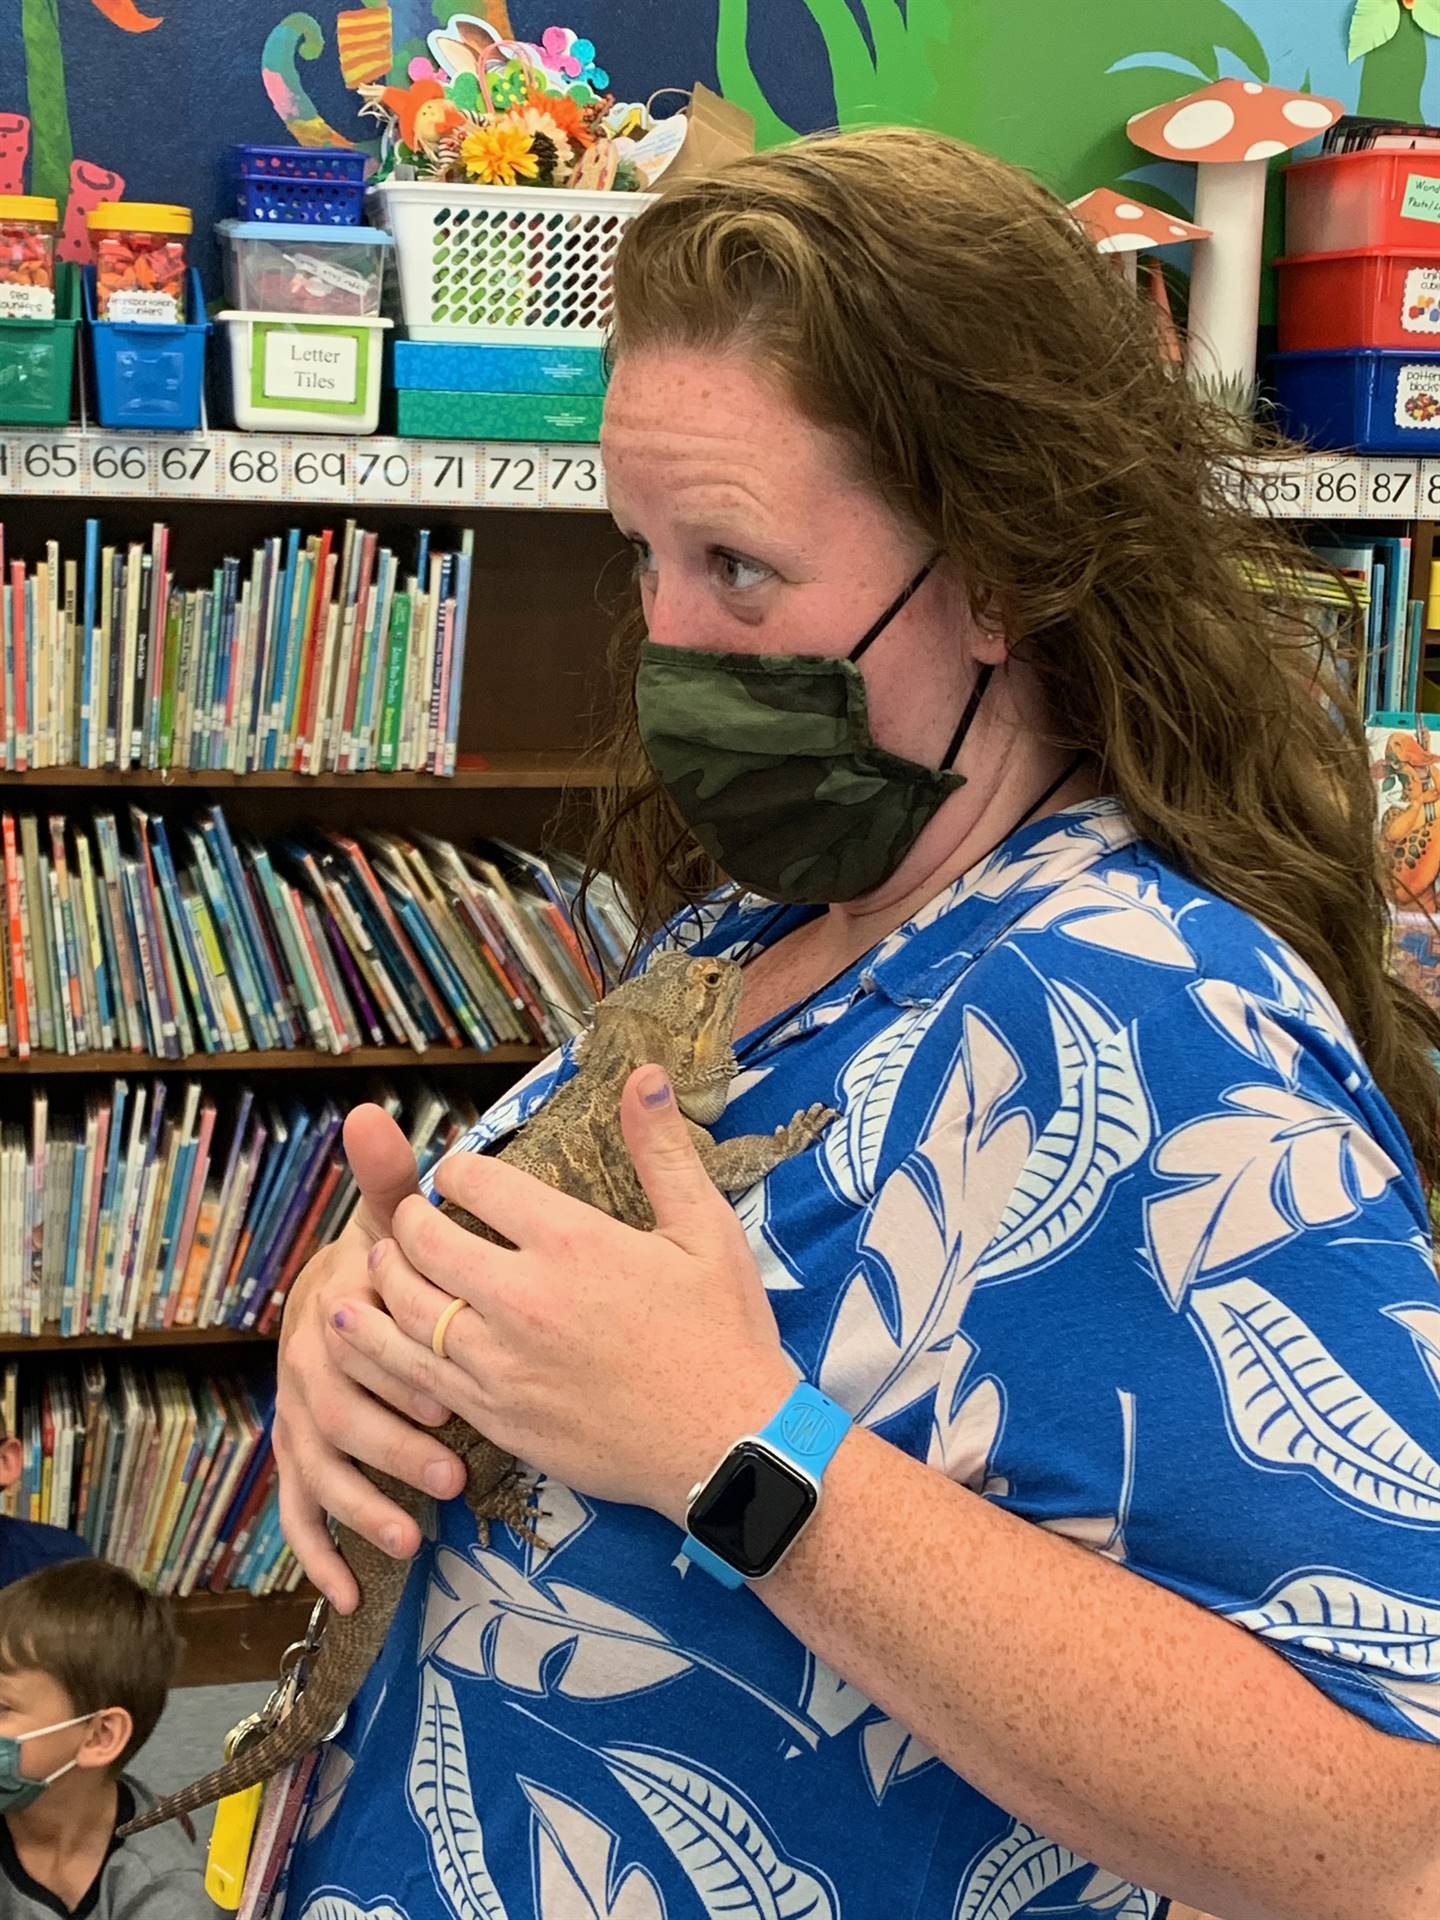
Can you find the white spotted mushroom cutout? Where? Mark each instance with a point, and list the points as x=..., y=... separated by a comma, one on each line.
x=1231, y=130
x=1125, y=227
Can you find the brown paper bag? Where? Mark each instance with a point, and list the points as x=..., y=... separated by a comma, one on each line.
x=718, y=131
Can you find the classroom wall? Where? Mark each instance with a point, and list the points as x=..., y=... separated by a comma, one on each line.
x=156, y=89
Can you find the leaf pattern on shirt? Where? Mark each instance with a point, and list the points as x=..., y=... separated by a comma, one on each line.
x=484, y=1616
x=1118, y=912
x=964, y=1437
x=1104, y=1533
x=1421, y=1321
x=575, y=1866
x=1016, y=1871
x=1101, y=1127
x=1392, y=1640
x=865, y=1099
x=1291, y=1405
x=440, y=1794
x=888, y=1339
x=727, y=1853
x=338, y=1906
x=1277, y=1163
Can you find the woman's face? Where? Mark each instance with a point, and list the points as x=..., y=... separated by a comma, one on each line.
x=754, y=534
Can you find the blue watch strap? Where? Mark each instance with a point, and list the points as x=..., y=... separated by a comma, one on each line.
x=807, y=1431
x=711, y=1563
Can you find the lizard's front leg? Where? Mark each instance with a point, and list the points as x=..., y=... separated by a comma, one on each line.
x=739, y=1163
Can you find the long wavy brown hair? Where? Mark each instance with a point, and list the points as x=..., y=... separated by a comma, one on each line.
x=1004, y=386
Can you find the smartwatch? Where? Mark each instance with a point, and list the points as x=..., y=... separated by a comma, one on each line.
x=745, y=1518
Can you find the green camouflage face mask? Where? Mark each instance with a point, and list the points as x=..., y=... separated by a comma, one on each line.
x=770, y=762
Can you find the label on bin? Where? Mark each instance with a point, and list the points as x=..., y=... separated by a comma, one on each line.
x=26, y=303
x=1420, y=309
x=319, y=367
x=1417, y=395
x=151, y=309
x=1422, y=198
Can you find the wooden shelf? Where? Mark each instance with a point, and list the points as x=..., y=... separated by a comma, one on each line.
x=282, y=1059
x=498, y=771
x=232, y=1637
x=51, y=1340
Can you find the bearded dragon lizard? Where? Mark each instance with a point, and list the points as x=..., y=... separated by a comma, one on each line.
x=680, y=1014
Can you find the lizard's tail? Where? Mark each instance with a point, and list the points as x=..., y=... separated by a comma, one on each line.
x=348, y=1646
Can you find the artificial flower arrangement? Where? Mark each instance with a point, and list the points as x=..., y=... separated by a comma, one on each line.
x=505, y=113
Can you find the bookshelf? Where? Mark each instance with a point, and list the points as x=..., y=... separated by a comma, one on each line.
x=547, y=564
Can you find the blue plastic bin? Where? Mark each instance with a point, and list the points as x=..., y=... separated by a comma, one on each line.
x=299, y=186
x=1371, y=400
x=148, y=376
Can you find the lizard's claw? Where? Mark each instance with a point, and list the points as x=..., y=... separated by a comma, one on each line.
x=805, y=1127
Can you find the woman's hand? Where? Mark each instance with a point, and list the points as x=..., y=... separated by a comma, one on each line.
x=623, y=1363
x=332, y=1404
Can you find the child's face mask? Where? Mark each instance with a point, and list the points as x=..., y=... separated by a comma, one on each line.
x=17, y=1790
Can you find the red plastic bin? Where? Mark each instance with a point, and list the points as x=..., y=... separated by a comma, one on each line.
x=1369, y=297
x=1340, y=201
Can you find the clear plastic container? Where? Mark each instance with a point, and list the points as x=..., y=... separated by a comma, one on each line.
x=140, y=251
x=28, y=225
x=332, y=273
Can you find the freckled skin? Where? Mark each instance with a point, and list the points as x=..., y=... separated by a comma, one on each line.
x=679, y=1013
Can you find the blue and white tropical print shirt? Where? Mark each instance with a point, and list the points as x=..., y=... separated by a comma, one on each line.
x=1115, y=1228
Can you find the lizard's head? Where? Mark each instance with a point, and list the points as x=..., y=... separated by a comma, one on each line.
x=693, y=1000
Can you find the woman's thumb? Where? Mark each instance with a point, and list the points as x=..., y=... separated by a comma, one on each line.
x=676, y=1184
x=383, y=1165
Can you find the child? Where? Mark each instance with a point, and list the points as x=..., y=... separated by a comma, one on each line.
x=25, y=1544
x=86, y=1660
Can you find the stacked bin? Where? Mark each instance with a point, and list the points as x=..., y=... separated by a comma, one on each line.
x=304, y=285
x=1359, y=302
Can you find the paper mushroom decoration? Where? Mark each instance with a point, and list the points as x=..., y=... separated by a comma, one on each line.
x=1231, y=130
x=1121, y=225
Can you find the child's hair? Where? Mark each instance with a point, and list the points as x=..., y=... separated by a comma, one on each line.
x=98, y=1634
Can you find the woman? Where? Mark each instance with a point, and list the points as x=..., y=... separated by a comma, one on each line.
x=1127, y=1574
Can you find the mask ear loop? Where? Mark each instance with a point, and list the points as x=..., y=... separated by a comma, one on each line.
x=972, y=706
x=894, y=607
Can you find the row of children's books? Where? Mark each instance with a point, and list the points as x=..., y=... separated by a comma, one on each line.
x=169, y=1475
x=153, y=1204
x=182, y=938
x=1391, y=636
x=332, y=653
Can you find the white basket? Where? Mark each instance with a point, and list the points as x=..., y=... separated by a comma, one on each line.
x=526, y=266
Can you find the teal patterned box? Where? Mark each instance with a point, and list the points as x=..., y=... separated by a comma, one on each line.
x=454, y=366
x=499, y=416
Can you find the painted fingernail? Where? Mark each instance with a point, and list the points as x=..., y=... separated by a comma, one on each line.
x=340, y=1318
x=655, y=1089
x=377, y=1254
x=393, y=1541
x=440, y=1479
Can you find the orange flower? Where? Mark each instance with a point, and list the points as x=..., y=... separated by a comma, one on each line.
x=567, y=116
x=422, y=111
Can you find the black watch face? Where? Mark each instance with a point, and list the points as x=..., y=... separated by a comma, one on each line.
x=752, y=1509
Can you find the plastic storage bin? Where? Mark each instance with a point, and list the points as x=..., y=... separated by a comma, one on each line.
x=1340, y=201
x=1375, y=400
x=37, y=361
x=148, y=375
x=299, y=186
x=523, y=266
x=498, y=416
x=140, y=252
x=1371, y=297
x=28, y=222
x=336, y=272
x=313, y=376
x=446, y=366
